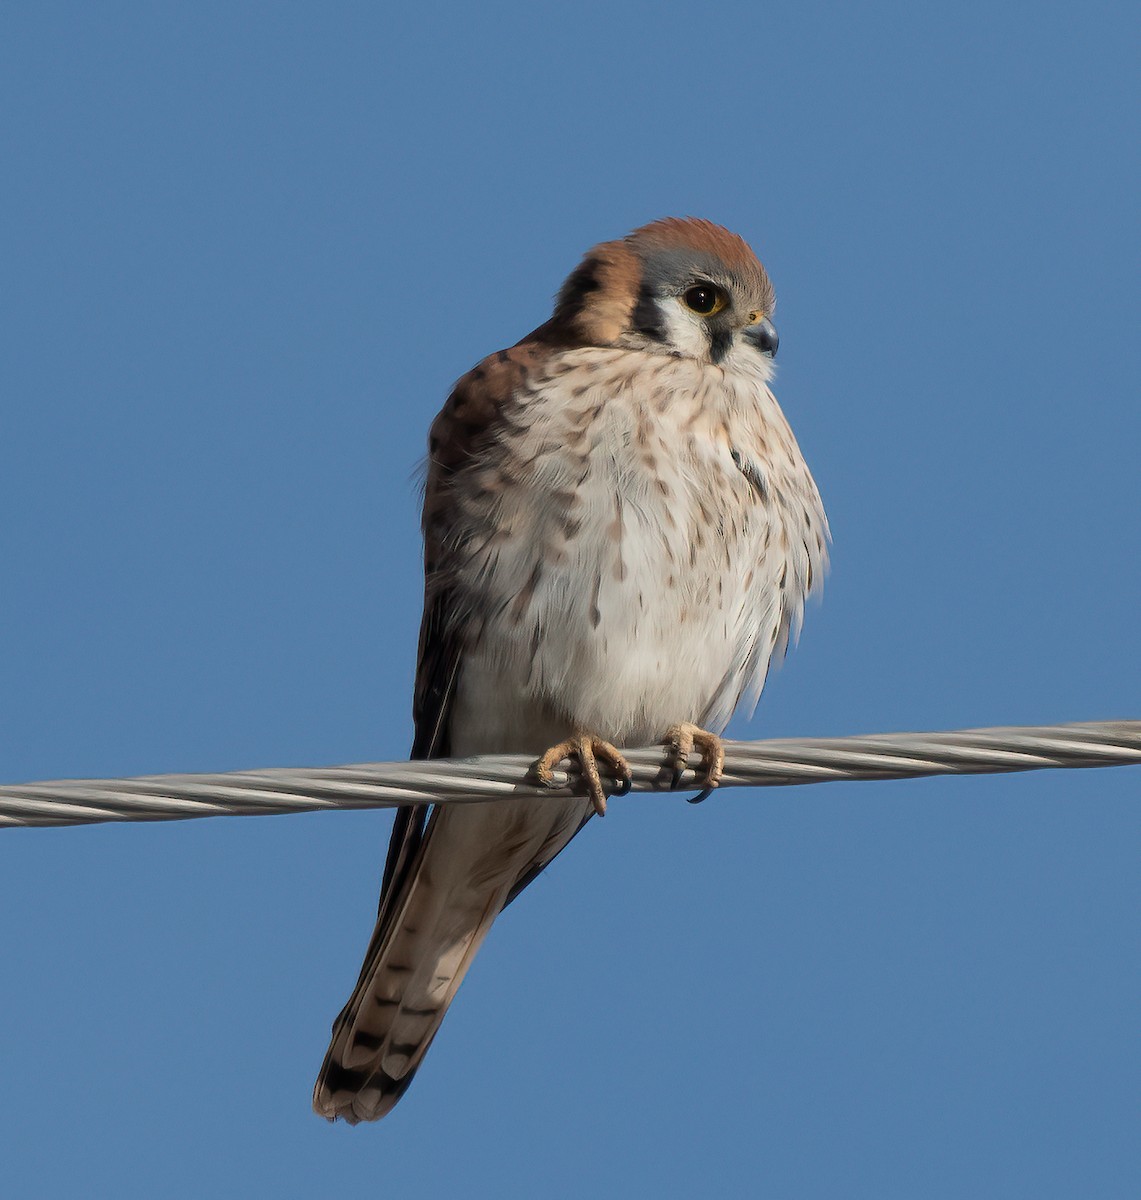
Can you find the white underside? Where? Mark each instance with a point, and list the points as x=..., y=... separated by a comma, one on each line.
x=674, y=551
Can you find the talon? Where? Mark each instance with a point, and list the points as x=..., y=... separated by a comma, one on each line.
x=681, y=740
x=544, y=766
x=588, y=749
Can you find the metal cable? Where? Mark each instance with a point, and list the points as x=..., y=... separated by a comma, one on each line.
x=489, y=777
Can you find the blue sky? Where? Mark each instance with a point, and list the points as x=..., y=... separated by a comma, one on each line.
x=248, y=248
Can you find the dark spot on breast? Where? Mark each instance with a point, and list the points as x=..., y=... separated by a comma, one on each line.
x=523, y=600
x=752, y=472
x=595, y=614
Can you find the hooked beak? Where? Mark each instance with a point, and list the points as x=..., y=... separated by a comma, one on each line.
x=763, y=335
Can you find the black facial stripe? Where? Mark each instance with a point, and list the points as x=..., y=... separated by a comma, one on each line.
x=720, y=340
x=647, y=319
x=582, y=281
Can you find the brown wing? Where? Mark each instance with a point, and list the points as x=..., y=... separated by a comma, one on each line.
x=436, y=673
x=435, y=681
x=383, y=1031
x=469, y=418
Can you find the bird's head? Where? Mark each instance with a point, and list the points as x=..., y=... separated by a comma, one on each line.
x=679, y=286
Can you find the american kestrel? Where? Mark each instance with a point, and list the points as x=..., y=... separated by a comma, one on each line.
x=619, y=534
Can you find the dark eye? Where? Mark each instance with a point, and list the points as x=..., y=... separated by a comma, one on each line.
x=705, y=299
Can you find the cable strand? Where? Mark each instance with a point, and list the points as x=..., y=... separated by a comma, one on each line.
x=773, y=763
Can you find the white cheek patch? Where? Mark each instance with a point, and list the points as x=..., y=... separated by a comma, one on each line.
x=685, y=331
x=747, y=361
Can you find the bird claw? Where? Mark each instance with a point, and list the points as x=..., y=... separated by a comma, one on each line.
x=681, y=740
x=589, y=750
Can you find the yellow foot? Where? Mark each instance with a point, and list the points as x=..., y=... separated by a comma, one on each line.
x=588, y=749
x=681, y=740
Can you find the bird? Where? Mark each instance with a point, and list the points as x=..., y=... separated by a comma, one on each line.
x=620, y=532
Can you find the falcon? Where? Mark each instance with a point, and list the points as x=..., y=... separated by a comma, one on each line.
x=619, y=535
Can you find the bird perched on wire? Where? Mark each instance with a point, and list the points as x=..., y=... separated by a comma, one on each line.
x=619, y=535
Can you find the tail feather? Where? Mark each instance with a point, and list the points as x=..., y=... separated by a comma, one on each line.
x=409, y=979
x=444, y=889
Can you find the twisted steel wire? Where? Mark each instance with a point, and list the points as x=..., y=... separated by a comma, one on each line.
x=444, y=781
